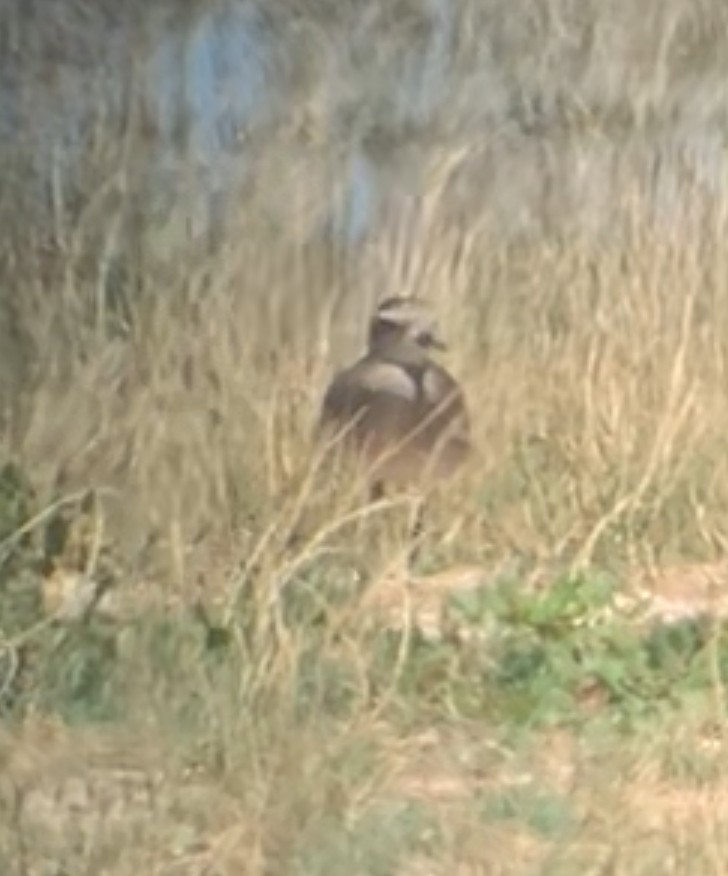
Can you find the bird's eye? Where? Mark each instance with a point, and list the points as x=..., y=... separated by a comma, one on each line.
x=428, y=341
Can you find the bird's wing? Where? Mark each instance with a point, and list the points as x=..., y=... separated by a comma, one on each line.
x=377, y=396
x=365, y=383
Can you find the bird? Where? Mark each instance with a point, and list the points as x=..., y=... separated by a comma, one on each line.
x=396, y=410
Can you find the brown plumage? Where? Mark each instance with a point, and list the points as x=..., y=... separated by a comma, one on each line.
x=402, y=414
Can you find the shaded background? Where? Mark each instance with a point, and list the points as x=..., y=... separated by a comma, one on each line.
x=557, y=105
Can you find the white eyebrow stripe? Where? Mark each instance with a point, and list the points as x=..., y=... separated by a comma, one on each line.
x=403, y=312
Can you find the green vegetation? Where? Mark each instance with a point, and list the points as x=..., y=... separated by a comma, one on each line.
x=211, y=660
x=317, y=729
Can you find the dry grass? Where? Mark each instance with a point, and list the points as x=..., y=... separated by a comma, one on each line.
x=453, y=798
x=595, y=363
x=596, y=378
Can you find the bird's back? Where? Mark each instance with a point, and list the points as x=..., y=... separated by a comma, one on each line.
x=406, y=421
